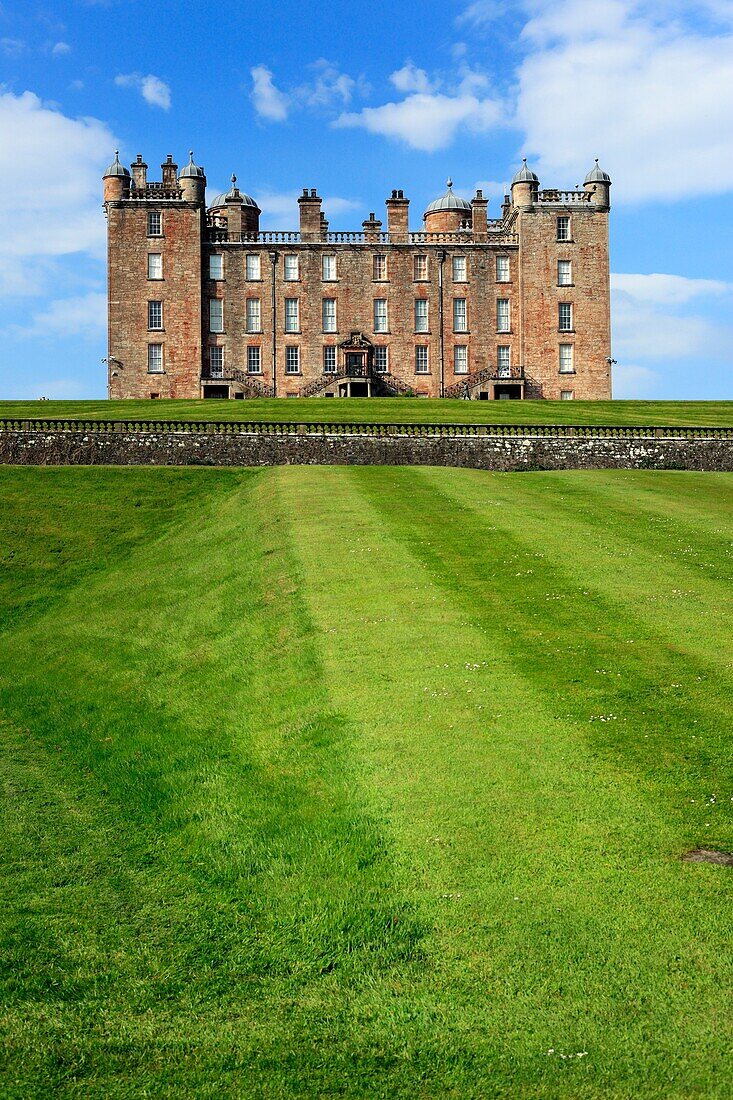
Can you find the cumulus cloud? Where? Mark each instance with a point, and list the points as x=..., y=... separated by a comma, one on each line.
x=667, y=289
x=411, y=79
x=269, y=102
x=60, y=48
x=82, y=316
x=426, y=122
x=650, y=323
x=12, y=47
x=154, y=91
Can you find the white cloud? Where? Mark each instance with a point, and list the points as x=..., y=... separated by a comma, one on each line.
x=633, y=382
x=667, y=289
x=154, y=91
x=427, y=122
x=632, y=84
x=39, y=223
x=60, y=48
x=269, y=102
x=329, y=87
x=646, y=325
x=411, y=79
x=84, y=316
x=12, y=47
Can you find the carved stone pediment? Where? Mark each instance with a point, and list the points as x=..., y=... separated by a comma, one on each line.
x=357, y=341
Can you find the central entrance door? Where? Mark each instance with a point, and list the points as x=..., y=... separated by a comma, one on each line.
x=355, y=364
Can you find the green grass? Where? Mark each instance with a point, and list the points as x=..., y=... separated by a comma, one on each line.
x=390, y=410
x=364, y=782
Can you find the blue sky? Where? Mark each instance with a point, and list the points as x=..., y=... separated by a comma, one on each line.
x=356, y=100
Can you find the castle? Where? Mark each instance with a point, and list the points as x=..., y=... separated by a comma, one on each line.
x=202, y=303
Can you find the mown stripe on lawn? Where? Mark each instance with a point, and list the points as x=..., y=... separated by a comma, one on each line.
x=551, y=872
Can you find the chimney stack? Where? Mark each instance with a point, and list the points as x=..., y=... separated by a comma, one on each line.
x=398, y=208
x=311, y=218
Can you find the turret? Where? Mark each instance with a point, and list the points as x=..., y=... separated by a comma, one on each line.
x=192, y=182
x=598, y=186
x=525, y=187
x=447, y=214
x=116, y=181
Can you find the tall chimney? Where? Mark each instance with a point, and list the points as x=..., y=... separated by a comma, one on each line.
x=311, y=221
x=398, y=208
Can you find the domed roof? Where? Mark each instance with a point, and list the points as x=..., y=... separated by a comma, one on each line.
x=192, y=171
x=117, y=169
x=235, y=195
x=448, y=201
x=525, y=175
x=597, y=175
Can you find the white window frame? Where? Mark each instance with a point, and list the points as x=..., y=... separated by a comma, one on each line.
x=216, y=315
x=292, y=359
x=328, y=315
x=564, y=272
x=381, y=351
x=460, y=269
x=563, y=228
x=292, y=314
x=330, y=358
x=422, y=359
x=379, y=267
x=422, y=315
x=565, y=316
x=155, y=314
x=216, y=266
x=504, y=361
x=503, y=315
x=328, y=267
x=420, y=262
x=460, y=359
x=159, y=231
x=155, y=263
x=253, y=315
x=155, y=355
x=460, y=311
x=503, y=269
x=254, y=361
x=381, y=315
x=253, y=267
x=292, y=261
x=567, y=395
x=216, y=361
x=566, y=355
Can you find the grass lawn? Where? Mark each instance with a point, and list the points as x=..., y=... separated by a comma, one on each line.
x=395, y=410
x=365, y=782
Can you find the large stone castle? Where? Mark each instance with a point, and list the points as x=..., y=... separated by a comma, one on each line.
x=202, y=303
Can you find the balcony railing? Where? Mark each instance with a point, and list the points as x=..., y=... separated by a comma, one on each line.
x=217, y=232
x=553, y=196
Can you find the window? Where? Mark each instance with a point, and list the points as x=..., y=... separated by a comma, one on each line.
x=502, y=269
x=292, y=273
x=329, y=315
x=459, y=315
x=155, y=224
x=292, y=315
x=253, y=267
x=329, y=360
x=565, y=317
x=328, y=264
x=421, y=315
x=567, y=395
x=503, y=362
x=216, y=362
x=155, y=265
x=155, y=315
x=380, y=268
x=254, y=359
x=566, y=359
x=380, y=315
x=380, y=359
x=292, y=360
x=254, y=318
x=216, y=267
x=459, y=269
x=563, y=228
x=460, y=359
x=421, y=359
x=155, y=358
x=502, y=315
x=216, y=315
x=564, y=273
x=421, y=268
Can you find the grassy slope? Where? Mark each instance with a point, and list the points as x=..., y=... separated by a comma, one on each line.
x=307, y=791
x=390, y=410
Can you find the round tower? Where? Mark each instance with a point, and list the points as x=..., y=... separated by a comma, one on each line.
x=525, y=187
x=192, y=182
x=237, y=199
x=598, y=186
x=116, y=181
x=447, y=214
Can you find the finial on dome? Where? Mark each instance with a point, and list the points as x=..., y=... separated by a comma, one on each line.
x=234, y=179
x=450, y=183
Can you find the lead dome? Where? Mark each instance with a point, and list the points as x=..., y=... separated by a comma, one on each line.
x=525, y=175
x=448, y=201
x=597, y=175
x=192, y=171
x=117, y=169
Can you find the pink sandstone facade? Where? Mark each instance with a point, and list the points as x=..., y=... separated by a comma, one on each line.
x=204, y=304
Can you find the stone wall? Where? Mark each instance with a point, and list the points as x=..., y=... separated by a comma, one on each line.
x=526, y=452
